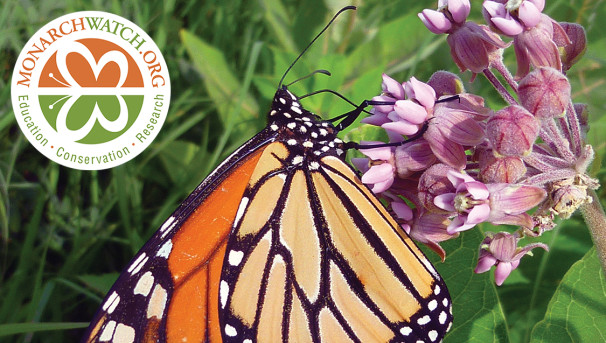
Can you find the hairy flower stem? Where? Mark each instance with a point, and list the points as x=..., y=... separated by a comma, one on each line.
x=596, y=221
x=499, y=87
x=575, y=128
x=502, y=69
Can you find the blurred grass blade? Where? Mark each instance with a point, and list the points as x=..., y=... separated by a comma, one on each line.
x=20, y=328
x=220, y=82
x=279, y=23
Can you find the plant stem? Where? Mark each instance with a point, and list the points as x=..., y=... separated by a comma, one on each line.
x=596, y=221
x=499, y=87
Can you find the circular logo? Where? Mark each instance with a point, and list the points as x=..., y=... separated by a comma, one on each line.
x=90, y=90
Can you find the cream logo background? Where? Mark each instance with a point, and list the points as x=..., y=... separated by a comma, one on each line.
x=90, y=90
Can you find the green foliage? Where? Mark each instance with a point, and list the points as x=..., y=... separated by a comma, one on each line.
x=65, y=234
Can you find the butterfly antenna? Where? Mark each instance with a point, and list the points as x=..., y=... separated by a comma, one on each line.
x=319, y=71
x=337, y=94
x=313, y=40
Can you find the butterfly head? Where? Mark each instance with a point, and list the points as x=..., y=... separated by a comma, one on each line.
x=300, y=128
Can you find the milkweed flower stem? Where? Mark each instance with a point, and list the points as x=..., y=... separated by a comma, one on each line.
x=594, y=216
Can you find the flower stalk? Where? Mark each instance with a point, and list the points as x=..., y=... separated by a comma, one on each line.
x=594, y=216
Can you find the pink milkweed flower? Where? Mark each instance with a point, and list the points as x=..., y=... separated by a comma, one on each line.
x=421, y=92
x=538, y=46
x=456, y=125
x=501, y=249
x=379, y=169
x=545, y=92
x=513, y=17
x=475, y=47
x=470, y=202
x=431, y=229
x=474, y=202
x=472, y=46
x=449, y=12
x=412, y=101
x=512, y=131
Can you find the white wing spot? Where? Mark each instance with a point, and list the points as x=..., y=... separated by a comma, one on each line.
x=325, y=149
x=314, y=165
x=223, y=292
x=445, y=302
x=272, y=113
x=339, y=151
x=424, y=320
x=449, y=326
x=323, y=132
x=111, y=303
x=308, y=123
x=282, y=176
x=291, y=125
x=240, y=212
x=303, y=129
x=432, y=305
x=337, y=140
x=165, y=249
x=287, y=115
x=297, y=160
x=235, y=257
x=167, y=223
x=124, y=334
x=274, y=127
x=306, y=119
x=157, y=302
x=291, y=142
x=433, y=335
x=436, y=291
x=168, y=226
x=406, y=330
x=144, y=285
x=138, y=264
x=282, y=101
x=314, y=135
x=308, y=144
x=442, y=317
x=108, y=331
x=230, y=330
x=296, y=109
x=247, y=341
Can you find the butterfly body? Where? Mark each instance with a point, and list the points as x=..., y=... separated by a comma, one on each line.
x=281, y=243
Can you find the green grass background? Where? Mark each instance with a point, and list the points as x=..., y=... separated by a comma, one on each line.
x=66, y=234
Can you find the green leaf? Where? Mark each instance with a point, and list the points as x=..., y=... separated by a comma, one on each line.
x=221, y=84
x=478, y=316
x=577, y=311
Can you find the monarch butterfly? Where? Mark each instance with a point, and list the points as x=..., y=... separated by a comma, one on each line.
x=280, y=243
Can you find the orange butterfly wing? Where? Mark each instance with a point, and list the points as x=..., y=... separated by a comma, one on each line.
x=170, y=291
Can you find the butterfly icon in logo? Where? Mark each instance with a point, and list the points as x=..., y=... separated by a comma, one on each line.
x=76, y=90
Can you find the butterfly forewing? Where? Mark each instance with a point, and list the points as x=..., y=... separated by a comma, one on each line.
x=173, y=281
x=316, y=258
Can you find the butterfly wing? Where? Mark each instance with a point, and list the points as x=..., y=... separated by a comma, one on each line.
x=315, y=257
x=169, y=292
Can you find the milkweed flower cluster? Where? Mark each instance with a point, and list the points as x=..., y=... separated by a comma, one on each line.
x=524, y=164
